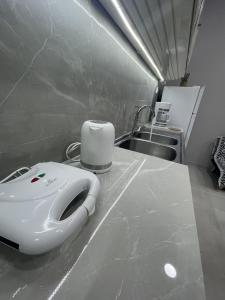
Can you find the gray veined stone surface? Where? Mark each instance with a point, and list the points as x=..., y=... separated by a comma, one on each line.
x=62, y=62
x=140, y=244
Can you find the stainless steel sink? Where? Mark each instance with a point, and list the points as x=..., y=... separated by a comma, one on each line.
x=147, y=147
x=157, y=138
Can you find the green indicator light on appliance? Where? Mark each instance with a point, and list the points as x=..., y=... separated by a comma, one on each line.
x=41, y=175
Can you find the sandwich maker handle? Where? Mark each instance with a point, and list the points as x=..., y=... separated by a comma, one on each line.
x=79, y=217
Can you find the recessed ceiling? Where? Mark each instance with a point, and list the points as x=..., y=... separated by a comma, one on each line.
x=160, y=30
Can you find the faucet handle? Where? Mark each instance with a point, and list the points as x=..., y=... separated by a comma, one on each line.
x=137, y=107
x=152, y=111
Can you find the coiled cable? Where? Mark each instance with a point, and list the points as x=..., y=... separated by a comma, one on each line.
x=72, y=147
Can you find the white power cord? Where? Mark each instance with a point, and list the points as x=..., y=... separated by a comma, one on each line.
x=19, y=171
x=70, y=148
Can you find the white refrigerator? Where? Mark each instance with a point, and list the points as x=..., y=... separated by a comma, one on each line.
x=185, y=103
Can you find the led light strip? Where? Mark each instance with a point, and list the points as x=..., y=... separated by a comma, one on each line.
x=126, y=22
x=145, y=70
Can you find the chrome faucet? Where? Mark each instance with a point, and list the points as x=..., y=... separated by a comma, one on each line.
x=137, y=115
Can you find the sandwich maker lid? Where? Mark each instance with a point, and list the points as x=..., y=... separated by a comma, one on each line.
x=39, y=182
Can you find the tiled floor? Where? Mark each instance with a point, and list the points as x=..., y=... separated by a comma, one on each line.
x=209, y=205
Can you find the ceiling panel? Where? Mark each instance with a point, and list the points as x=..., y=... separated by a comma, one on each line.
x=160, y=30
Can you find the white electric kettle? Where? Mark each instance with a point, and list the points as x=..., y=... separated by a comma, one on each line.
x=97, y=144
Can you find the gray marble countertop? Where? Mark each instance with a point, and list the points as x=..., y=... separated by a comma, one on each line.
x=141, y=243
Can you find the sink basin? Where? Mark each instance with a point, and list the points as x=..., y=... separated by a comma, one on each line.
x=157, y=138
x=147, y=147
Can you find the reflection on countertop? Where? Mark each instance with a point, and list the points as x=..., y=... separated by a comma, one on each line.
x=141, y=243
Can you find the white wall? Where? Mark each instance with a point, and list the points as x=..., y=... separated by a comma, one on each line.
x=207, y=68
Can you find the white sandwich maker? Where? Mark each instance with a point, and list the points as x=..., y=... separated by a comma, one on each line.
x=32, y=206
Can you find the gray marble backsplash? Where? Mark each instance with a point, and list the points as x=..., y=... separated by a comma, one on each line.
x=62, y=62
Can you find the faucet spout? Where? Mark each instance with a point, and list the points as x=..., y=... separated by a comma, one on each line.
x=138, y=113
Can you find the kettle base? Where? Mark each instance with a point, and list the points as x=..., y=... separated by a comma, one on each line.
x=97, y=169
